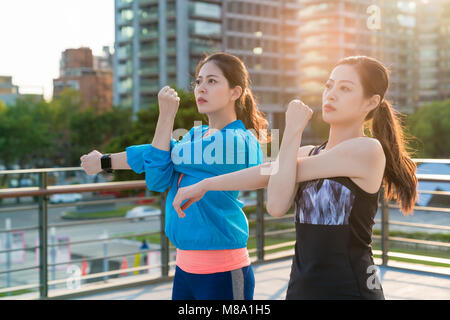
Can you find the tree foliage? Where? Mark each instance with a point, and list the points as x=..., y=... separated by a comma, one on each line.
x=430, y=127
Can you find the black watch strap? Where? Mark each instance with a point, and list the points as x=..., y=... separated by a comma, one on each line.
x=106, y=163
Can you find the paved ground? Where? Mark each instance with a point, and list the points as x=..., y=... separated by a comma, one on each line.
x=272, y=279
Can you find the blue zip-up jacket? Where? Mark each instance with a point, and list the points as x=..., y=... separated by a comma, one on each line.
x=216, y=221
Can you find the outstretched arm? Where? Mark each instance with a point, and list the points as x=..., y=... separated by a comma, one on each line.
x=91, y=162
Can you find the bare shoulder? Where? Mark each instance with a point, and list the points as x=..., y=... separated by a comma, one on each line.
x=362, y=147
x=304, y=151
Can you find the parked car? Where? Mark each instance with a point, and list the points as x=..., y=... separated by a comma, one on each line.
x=65, y=197
x=142, y=213
x=26, y=182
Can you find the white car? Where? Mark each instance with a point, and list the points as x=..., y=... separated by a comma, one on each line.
x=142, y=212
x=65, y=197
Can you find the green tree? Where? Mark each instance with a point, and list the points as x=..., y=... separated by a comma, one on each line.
x=430, y=127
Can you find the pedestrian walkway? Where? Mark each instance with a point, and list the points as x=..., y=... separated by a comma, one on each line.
x=272, y=279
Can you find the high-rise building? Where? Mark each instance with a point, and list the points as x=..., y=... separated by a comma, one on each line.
x=265, y=35
x=160, y=42
x=332, y=30
x=433, y=47
x=91, y=75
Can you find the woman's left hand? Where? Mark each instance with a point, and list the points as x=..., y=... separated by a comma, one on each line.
x=298, y=115
x=193, y=193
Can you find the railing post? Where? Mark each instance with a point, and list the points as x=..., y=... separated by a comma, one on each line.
x=164, y=239
x=43, y=237
x=384, y=228
x=260, y=224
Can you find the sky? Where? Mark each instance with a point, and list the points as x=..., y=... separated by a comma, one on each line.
x=34, y=33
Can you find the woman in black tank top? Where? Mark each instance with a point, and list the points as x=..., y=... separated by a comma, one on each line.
x=338, y=183
x=333, y=257
x=334, y=186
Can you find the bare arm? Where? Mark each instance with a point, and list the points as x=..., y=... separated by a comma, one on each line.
x=91, y=162
x=360, y=157
x=282, y=184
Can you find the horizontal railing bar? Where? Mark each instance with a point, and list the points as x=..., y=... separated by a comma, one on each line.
x=408, y=240
x=278, y=219
x=22, y=287
x=96, y=221
x=433, y=177
x=274, y=233
x=413, y=257
x=88, y=187
x=72, y=204
x=432, y=209
x=86, y=222
x=436, y=192
x=108, y=273
x=103, y=257
x=19, y=229
x=20, y=269
x=99, y=240
x=280, y=245
x=20, y=249
x=22, y=171
x=444, y=161
x=416, y=225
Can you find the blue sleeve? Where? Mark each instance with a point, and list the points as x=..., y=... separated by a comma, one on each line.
x=156, y=163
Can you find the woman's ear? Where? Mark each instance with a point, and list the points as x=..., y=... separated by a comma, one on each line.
x=236, y=92
x=373, y=102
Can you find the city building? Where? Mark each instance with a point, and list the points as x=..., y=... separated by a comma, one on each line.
x=9, y=92
x=332, y=30
x=92, y=76
x=161, y=42
x=433, y=47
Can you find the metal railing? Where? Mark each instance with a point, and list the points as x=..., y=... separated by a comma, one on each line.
x=261, y=230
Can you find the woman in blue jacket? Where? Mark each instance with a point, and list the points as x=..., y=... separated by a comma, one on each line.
x=211, y=236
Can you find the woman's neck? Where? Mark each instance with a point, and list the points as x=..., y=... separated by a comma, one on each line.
x=219, y=119
x=340, y=133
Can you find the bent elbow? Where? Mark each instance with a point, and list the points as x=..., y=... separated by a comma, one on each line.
x=275, y=210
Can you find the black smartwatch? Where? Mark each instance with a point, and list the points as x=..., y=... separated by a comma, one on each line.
x=106, y=163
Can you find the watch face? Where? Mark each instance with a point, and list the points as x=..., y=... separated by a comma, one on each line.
x=106, y=161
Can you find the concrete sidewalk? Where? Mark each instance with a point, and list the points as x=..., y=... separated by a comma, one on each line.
x=272, y=280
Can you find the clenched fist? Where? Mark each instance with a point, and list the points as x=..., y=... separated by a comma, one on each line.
x=298, y=115
x=168, y=101
x=91, y=162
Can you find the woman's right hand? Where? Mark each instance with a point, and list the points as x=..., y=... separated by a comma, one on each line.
x=91, y=162
x=168, y=102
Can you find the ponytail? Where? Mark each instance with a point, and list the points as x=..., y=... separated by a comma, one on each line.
x=248, y=112
x=400, y=181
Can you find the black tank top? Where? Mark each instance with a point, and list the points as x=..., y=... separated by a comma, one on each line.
x=333, y=254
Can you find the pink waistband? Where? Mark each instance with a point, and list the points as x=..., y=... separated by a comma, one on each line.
x=212, y=261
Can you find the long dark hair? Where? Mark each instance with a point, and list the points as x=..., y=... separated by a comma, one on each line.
x=245, y=107
x=400, y=181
